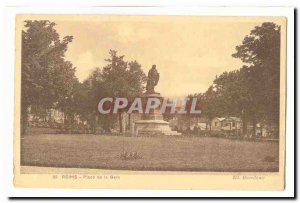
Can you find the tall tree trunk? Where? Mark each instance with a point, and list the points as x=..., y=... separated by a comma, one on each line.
x=254, y=129
x=96, y=123
x=129, y=121
x=120, y=122
x=24, y=120
x=107, y=123
x=244, y=127
x=44, y=114
x=65, y=118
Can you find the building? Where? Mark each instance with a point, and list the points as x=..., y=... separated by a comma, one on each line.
x=217, y=123
x=184, y=123
x=226, y=123
x=263, y=130
x=200, y=126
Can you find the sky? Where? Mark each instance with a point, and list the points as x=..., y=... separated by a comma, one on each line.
x=188, y=51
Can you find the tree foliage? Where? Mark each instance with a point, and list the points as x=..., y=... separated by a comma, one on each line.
x=118, y=78
x=47, y=78
x=49, y=81
x=252, y=92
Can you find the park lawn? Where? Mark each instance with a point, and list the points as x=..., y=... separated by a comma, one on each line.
x=156, y=153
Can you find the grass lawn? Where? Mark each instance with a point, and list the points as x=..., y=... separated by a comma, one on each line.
x=156, y=153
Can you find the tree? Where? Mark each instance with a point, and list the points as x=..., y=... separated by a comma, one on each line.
x=261, y=50
x=89, y=94
x=211, y=104
x=117, y=79
x=238, y=95
x=42, y=58
x=252, y=92
x=122, y=79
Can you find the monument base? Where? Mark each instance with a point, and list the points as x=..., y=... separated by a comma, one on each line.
x=153, y=128
x=152, y=124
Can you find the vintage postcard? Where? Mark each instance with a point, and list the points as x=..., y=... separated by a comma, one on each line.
x=150, y=102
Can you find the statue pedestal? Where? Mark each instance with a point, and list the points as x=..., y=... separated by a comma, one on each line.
x=152, y=124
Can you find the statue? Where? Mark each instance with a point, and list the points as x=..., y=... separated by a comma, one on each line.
x=153, y=77
x=152, y=122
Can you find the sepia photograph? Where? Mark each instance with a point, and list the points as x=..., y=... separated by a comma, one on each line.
x=144, y=95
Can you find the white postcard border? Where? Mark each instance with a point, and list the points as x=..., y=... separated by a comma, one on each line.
x=7, y=102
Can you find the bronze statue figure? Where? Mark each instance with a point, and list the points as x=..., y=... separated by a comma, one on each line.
x=153, y=77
